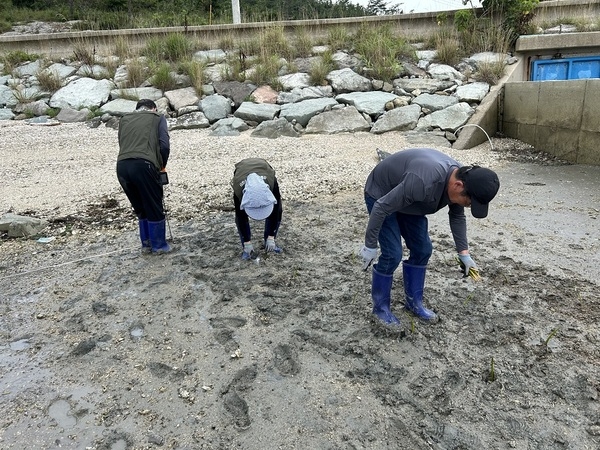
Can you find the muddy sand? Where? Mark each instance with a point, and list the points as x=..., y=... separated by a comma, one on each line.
x=102, y=347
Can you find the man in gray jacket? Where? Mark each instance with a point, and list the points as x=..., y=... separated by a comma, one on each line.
x=399, y=193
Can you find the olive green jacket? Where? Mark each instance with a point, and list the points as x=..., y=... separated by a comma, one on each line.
x=245, y=167
x=138, y=137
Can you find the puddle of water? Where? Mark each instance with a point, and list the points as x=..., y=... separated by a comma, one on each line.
x=60, y=411
x=136, y=333
x=19, y=345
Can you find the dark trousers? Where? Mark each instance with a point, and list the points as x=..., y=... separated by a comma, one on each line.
x=271, y=223
x=140, y=180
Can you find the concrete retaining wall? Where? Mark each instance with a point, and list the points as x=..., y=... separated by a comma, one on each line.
x=557, y=117
x=411, y=26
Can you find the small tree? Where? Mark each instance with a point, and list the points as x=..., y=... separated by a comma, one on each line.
x=382, y=8
x=516, y=15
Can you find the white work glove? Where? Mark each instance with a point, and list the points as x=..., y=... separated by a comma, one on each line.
x=271, y=246
x=466, y=264
x=368, y=255
x=248, y=252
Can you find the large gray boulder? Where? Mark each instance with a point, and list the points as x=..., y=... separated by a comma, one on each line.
x=371, y=103
x=301, y=112
x=294, y=81
x=6, y=114
x=82, y=93
x=151, y=93
x=398, y=119
x=28, y=69
x=445, y=72
x=339, y=120
x=210, y=56
x=346, y=80
x=21, y=226
x=70, y=115
x=257, y=112
x=215, y=107
x=273, y=129
x=229, y=126
x=234, y=90
x=7, y=97
x=299, y=94
x=188, y=122
x=421, y=84
x=180, y=98
x=119, y=107
x=434, y=102
x=448, y=119
x=472, y=92
x=61, y=71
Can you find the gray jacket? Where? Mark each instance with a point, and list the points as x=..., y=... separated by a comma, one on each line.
x=414, y=182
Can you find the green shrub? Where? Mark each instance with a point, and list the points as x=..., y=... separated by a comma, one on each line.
x=226, y=43
x=122, y=47
x=194, y=70
x=154, y=50
x=162, y=78
x=490, y=72
x=381, y=51
x=320, y=69
x=52, y=112
x=339, y=38
x=137, y=73
x=83, y=53
x=515, y=16
x=464, y=20
x=13, y=59
x=303, y=44
x=5, y=26
x=266, y=71
x=447, y=45
x=177, y=47
x=49, y=81
x=273, y=42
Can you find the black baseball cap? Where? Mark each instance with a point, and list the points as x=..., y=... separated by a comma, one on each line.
x=482, y=186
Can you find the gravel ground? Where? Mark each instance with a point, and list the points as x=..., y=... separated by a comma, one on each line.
x=104, y=348
x=200, y=166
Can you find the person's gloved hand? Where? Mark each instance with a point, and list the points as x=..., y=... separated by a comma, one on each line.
x=270, y=245
x=368, y=255
x=248, y=251
x=467, y=265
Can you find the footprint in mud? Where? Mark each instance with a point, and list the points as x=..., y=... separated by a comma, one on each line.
x=115, y=441
x=60, y=410
x=225, y=322
x=224, y=336
x=223, y=332
x=451, y=437
x=235, y=405
x=84, y=347
x=517, y=428
x=161, y=370
x=102, y=309
x=286, y=360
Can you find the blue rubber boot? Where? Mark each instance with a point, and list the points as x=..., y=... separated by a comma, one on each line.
x=414, y=282
x=381, y=292
x=145, y=235
x=158, y=241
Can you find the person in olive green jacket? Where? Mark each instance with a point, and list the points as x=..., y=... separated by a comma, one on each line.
x=144, y=149
x=256, y=195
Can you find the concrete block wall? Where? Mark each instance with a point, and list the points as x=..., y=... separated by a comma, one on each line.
x=557, y=117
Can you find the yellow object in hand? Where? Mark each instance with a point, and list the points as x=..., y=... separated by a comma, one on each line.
x=474, y=274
